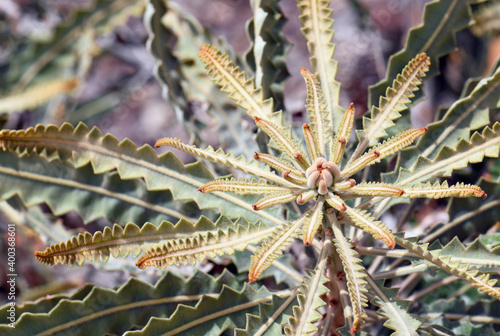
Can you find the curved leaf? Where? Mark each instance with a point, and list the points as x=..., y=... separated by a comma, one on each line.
x=202, y=245
x=317, y=29
x=106, y=153
x=64, y=188
x=435, y=36
x=212, y=315
x=118, y=241
x=266, y=55
x=105, y=311
x=396, y=311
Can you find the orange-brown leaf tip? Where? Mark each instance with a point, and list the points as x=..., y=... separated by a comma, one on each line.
x=255, y=207
x=158, y=143
x=484, y=195
x=402, y=192
x=306, y=242
x=251, y=278
x=257, y=119
x=353, y=182
x=330, y=210
x=344, y=207
x=297, y=155
x=377, y=153
x=342, y=140
x=202, y=189
x=305, y=125
x=256, y=155
x=286, y=173
x=303, y=70
x=392, y=244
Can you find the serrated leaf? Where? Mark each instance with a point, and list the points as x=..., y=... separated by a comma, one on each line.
x=396, y=99
x=355, y=276
x=202, y=245
x=435, y=36
x=476, y=254
x=438, y=190
x=316, y=28
x=456, y=267
x=106, y=153
x=448, y=159
x=271, y=317
x=367, y=223
x=212, y=315
x=274, y=246
x=106, y=311
x=120, y=242
x=182, y=75
x=396, y=311
x=456, y=124
x=309, y=299
x=266, y=55
x=64, y=189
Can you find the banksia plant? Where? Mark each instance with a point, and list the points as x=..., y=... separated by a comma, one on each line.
x=326, y=187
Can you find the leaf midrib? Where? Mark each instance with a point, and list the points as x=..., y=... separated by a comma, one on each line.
x=147, y=165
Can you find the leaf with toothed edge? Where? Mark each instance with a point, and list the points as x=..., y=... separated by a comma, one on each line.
x=317, y=29
x=396, y=311
x=268, y=46
x=271, y=317
x=435, y=36
x=355, y=276
x=212, y=315
x=395, y=101
x=106, y=153
x=203, y=244
x=369, y=224
x=309, y=301
x=106, y=311
x=120, y=242
x=64, y=188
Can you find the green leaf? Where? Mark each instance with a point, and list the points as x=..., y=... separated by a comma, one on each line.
x=105, y=311
x=37, y=180
x=212, y=315
x=396, y=99
x=449, y=159
x=396, y=311
x=309, y=300
x=317, y=29
x=268, y=46
x=271, y=317
x=120, y=242
x=435, y=36
x=106, y=153
x=464, y=115
x=476, y=255
x=202, y=245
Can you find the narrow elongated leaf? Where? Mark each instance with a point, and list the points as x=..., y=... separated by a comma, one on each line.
x=106, y=153
x=274, y=246
x=268, y=47
x=64, y=188
x=36, y=95
x=367, y=223
x=271, y=317
x=396, y=311
x=183, y=79
x=448, y=159
x=355, y=276
x=456, y=124
x=120, y=242
x=105, y=311
x=461, y=270
x=476, y=254
x=438, y=190
x=435, y=36
x=317, y=29
x=396, y=99
x=202, y=245
x=309, y=299
x=211, y=315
